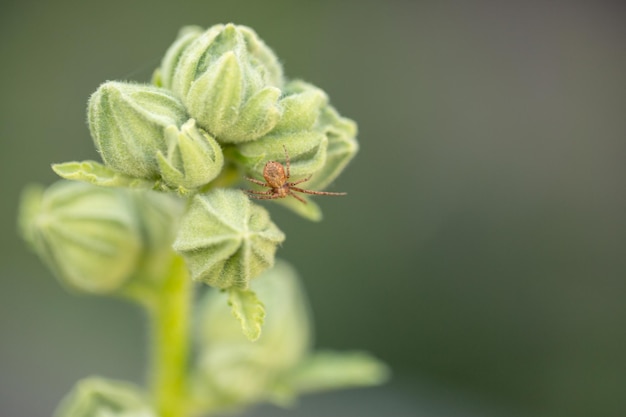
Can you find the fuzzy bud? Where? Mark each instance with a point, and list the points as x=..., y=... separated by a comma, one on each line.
x=296, y=132
x=319, y=142
x=127, y=123
x=96, y=239
x=226, y=240
x=193, y=158
x=229, y=81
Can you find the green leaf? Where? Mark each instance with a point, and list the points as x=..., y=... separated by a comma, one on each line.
x=327, y=370
x=249, y=310
x=103, y=397
x=310, y=211
x=98, y=174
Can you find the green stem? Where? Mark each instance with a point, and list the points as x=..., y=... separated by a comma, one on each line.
x=170, y=342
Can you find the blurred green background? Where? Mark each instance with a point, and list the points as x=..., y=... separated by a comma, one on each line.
x=481, y=249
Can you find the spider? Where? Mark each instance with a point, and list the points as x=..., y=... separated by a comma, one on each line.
x=279, y=187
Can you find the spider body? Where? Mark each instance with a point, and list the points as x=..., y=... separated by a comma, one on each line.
x=277, y=180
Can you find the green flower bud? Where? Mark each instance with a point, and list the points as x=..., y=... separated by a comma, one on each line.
x=229, y=81
x=98, y=240
x=85, y=234
x=244, y=370
x=226, y=240
x=127, y=123
x=297, y=132
x=98, y=397
x=193, y=157
x=319, y=142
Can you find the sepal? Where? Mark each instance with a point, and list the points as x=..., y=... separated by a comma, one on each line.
x=249, y=310
x=97, y=174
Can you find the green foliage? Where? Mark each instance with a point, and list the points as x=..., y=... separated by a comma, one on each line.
x=162, y=210
x=98, y=397
x=249, y=310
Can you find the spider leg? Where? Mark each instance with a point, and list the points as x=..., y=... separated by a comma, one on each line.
x=297, y=197
x=257, y=192
x=287, y=161
x=300, y=190
x=257, y=181
x=300, y=181
x=264, y=197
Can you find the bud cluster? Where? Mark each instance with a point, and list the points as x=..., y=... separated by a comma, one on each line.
x=218, y=89
x=218, y=109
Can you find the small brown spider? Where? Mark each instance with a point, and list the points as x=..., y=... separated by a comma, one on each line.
x=279, y=187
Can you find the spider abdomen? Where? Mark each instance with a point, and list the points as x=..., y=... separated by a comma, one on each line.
x=274, y=174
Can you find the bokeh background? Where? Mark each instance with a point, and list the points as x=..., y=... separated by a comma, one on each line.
x=481, y=249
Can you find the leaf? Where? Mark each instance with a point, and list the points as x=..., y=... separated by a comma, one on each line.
x=249, y=310
x=327, y=370
x=310, y=211
x=97, y=396
x=98, y=174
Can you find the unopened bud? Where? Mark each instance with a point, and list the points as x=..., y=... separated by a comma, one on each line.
x=100, y=239
x=193, y=158
x=226, y=240
x=127, y=123
x=229, y=81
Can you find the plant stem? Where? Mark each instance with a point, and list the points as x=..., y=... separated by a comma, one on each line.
x=170, y=342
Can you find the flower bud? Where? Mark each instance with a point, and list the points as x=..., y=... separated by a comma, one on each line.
x=97, y=240
x=319, y=142
x=226, y=240
x=296, y=132
x=245, y=370
x=85, y=234
x=100, y=397
x=229, y=81
x=127, y=123
x=193, y=158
